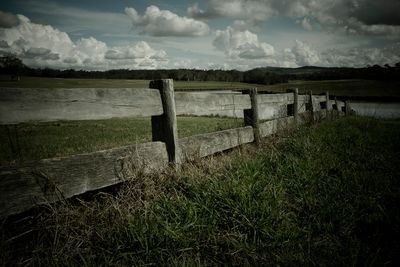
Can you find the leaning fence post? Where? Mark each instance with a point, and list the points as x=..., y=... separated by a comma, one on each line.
x=293, y=110
x=164, y=127
x=347, y=108
x=337, y=107
x=328, y=105
x=311, y=105
x=251, y=115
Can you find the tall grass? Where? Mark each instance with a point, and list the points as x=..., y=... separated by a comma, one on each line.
x=33, y=141
x=325, y=195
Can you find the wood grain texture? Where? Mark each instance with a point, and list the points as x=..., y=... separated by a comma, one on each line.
x=19, y=105
x=319, y=98
x=165, y=127
x=50, y=180
x=203, y=103
x=251, y=116
x=284, y=99
x=203, y=145
x=272, y=111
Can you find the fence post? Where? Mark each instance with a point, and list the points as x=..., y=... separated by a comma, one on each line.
x=328, y=105
x=311, y=105
x=164, y=127
x=337, y=107
x=293, y=110
x=251, y=115
x=347, y=107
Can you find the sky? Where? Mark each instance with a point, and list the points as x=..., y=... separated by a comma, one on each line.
x=201, y=34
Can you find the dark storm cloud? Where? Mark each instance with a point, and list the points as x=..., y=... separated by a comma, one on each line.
x=41, y=53
x=8, y=20
x=378, y=12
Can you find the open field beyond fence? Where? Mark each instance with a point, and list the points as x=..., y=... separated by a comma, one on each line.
x=335, y=87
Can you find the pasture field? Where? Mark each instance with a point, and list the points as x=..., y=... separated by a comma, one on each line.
x=325, y=195
x=32, y=141
x=335, y=87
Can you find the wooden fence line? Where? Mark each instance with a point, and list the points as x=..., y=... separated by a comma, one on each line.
x=49, y=180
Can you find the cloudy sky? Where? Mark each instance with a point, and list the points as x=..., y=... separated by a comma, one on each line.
x=203, y=34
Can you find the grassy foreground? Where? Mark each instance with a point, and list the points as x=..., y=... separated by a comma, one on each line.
x=32, y=141
x=326, y=195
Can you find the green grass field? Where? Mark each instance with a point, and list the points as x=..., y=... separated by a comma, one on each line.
x=325, y=195
x=335, y=87
x=32, y=141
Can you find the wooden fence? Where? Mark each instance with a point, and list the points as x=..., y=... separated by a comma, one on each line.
x=49, y=180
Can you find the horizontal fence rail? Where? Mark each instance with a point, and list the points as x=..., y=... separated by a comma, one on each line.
x=204, y=103
x=52, y=104
x=49, y=180
x=203, y=145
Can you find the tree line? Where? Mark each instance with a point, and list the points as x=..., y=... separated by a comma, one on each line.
x=14, y=67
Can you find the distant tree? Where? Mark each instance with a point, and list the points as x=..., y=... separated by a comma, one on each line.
x=12, y=66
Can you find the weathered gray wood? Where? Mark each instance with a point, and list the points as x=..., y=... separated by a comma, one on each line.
x=311, y=106
x=347, y=108
x=272, y=111
x=164, y=127
x=336, y=104
x=273, y=126
x=319, y=98
x=203, y=103
x=284, y=99
x=50, y=180
x=302, y=103
x=251, y=117
x=293, y=109
x=51, y=104
x=328, y=102
x=328, y=106
x=203, y=145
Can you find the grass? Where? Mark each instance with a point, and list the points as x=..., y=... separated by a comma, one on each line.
x=326, y=195
x=42, y=82
x=335, y=87
x=361, y=88
x=32, y=141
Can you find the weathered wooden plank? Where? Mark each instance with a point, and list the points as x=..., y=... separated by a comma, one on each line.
x=271, y=127
x=51, y=104
x=272, y=111
x=251, y=116
x=49, y=180
x=203, y=103
x=203, y=145
x=165, y=127
x=319, y=98
x=302, y=103
x=283, y=99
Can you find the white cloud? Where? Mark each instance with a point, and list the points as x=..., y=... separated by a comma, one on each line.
x=361, y=57
x=304, y=55
x=138, y=51
x=44, y=46
x=241, y=44
x=305, y=23
x=158, y=22
x=243, y=50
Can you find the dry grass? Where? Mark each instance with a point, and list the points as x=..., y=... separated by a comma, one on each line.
x=325, y=195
